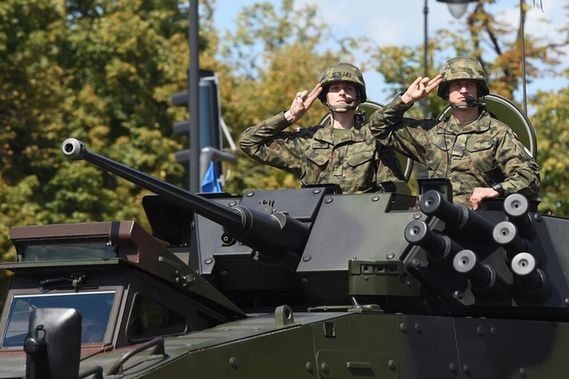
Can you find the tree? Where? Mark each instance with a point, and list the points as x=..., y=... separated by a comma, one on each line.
x=102, y=71
x=551, y=121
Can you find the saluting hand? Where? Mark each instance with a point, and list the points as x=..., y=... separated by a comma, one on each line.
x=420, y=88
x=301, y=103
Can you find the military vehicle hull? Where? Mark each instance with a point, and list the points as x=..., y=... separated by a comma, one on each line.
x=346, y=345
x=291, y=283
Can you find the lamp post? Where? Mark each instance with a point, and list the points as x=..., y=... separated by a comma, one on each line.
x=457, y=8
x=194, y=93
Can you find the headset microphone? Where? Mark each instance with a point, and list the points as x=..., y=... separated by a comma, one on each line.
x=471, y=102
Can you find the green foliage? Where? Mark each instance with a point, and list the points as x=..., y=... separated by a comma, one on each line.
x=551, y=121
x=101, y=71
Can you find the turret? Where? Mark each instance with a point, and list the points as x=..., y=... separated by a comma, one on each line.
x=276, y=236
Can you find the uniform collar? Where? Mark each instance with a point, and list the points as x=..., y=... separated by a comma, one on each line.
x=356, y=134
x=481, y=124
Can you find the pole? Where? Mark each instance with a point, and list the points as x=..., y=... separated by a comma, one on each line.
x=194, y=93
x=523, y=41
x=426, y=41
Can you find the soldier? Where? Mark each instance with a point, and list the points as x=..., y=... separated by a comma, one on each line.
x=342, y=152
x=480, y=155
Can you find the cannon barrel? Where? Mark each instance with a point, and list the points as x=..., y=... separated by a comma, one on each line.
x=506, y=234
x=461, y=223
x=517, y=207
x=438, y=247
x=483, y=278
x=273, y=235
x=529, y=278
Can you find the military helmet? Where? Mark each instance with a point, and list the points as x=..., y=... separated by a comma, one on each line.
x=461, y=68
x=343, y=72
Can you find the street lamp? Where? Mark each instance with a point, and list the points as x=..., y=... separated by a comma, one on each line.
x=457, y=7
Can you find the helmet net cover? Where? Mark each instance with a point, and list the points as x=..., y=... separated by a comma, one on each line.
x=463, y=68
x=343, y=72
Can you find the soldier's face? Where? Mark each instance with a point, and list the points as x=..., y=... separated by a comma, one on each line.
x=341, y=94
x=459, y=90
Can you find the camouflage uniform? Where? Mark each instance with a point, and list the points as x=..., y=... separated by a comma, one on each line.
x=354, y=160
x=481, y=153
x=351, y=158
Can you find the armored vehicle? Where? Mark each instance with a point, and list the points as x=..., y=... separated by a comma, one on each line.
x=305, y=283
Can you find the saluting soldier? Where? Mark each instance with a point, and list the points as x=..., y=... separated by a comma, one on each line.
x=480, y=155
x=343, y=151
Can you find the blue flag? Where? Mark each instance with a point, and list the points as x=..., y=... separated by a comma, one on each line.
x=210, y=182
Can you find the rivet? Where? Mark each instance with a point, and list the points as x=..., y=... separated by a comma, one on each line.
x=390, y=256
x=523, y=373
x=309, y=367
x=452, y=367
x=537, y=217
x=328, y=200
x=316, y=191
x=466, y=369
x=208, y=261
x=416, y=263
x=493, y=331
x=233, y=363
x=479, y=331
x=232, y=203
x=457, y=295
x=418, y=328
x=403, y=327
x=417, y=216
x=566, y=301
x=375, y=197
x=250, y=194
x=306, y=258
x=391, y=364
x=324, y=367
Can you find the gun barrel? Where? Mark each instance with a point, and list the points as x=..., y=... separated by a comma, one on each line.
x=75, y=150
x=267, y=233
x=457, y=218
x=516, y=207
x=506, y=234
x=438, y=247
x=529, y=278
x=483, y=277
x=466, y=262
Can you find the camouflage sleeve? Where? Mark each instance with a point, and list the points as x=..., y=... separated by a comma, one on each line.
x=267, y=143
x=406, y=135
x=520, y=169
x=390, y=168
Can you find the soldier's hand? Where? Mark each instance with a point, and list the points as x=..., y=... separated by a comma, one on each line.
x=420, y=88
x=301, y=103
x=481, y=193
